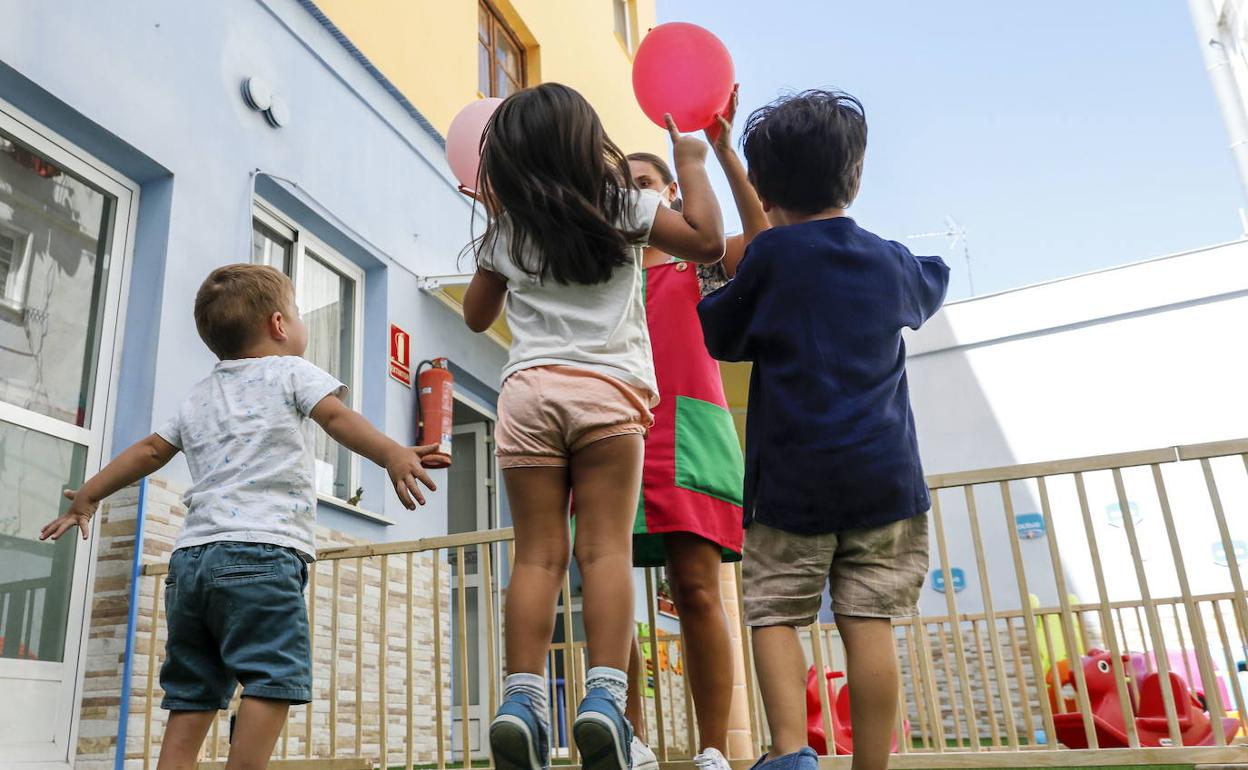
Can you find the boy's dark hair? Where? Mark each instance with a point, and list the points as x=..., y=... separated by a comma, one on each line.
x=549, y=170
x=805, y=150
x=235, y=301
x=665, y=172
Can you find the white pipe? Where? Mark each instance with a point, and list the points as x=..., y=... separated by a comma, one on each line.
x=1213, y=37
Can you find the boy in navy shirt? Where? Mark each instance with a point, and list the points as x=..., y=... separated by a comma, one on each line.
x=834, y=493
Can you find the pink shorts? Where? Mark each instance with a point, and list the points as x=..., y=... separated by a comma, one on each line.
x=548, y=413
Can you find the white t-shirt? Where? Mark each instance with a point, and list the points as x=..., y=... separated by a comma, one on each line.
x=601, y=328
x=243, y=430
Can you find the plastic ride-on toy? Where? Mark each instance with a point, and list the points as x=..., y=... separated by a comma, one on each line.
x=842, y=726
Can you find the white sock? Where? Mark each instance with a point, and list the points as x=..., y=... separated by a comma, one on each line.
x=534, y=686
x=613, y=680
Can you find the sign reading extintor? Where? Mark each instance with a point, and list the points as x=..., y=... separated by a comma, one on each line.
x=400, y=356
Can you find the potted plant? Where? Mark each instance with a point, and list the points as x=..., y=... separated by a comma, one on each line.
x=664, y=597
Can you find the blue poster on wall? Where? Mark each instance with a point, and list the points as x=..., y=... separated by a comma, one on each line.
x=1030, y=525
x=938, y=579
x=1113, y=512
x=1240, y=549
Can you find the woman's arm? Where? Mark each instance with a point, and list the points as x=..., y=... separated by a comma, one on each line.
x=483, y=302
x=696, y=233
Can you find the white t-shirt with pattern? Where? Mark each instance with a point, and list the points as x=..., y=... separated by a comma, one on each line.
x=244, y=431
x=601, y=328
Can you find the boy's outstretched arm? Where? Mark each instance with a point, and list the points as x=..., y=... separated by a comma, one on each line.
x=749, y=207
x=349, y=428
x=142, y=459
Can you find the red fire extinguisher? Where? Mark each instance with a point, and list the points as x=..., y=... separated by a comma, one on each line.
x=434, y=406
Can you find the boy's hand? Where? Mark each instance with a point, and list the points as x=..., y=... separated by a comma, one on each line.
x=719, y=133
x=403, y=465
x=685, y=149
x=81, y=509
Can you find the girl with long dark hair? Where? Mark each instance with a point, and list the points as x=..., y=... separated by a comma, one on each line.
x=562, y=254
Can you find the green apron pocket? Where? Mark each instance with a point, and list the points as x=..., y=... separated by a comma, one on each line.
x=708, y=452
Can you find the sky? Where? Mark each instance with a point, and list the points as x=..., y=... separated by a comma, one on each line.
x=1064, y=136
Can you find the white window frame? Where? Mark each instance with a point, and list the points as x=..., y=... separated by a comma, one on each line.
x=97, y=435
x=303, y=242
x=630, y=22
x=13, y=292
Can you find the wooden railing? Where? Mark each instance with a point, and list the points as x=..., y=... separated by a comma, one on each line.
x=387, y=619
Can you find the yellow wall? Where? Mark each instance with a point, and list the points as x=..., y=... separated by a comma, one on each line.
x=428, y=49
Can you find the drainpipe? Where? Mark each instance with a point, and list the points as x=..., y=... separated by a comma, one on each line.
x=1212, y=38
x=132, y=615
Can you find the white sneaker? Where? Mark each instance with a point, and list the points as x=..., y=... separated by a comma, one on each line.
x=711, y=759
x=643, y=757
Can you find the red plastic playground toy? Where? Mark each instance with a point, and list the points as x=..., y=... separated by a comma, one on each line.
x=1147, y=709
x=842, y=727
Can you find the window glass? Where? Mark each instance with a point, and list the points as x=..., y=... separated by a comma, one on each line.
x=328, y=309
x=36, y=578
x=54, y=254
x=500, y=59
x=268, y=247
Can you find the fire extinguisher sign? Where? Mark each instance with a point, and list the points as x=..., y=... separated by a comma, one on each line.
x=400, y=356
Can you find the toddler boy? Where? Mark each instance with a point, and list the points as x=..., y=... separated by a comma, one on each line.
x=234, y=593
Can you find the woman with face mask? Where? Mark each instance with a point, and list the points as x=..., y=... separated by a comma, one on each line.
x=689, y=518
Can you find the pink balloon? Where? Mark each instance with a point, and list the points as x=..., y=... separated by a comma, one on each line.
x=463, y=139
x=685, y=70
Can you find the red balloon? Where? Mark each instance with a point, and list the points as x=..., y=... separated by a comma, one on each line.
x=685, y=70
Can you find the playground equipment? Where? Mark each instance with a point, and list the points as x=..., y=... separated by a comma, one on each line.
x=1147, y=708
x=842, y=726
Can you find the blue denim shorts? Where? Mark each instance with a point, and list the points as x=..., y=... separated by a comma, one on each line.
x=236, y=614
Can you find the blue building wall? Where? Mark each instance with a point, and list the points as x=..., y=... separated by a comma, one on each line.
x=152, y=88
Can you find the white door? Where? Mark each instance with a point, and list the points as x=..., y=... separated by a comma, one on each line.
x=470, y=501
x=65, y=225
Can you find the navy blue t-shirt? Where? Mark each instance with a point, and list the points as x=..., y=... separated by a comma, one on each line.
x=819, y=308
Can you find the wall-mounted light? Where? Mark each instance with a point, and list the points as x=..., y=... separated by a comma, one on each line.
x=259, y=96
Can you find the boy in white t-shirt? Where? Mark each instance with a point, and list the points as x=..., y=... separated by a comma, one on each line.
x=234, y=594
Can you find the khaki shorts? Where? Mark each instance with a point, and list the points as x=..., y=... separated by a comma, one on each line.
x=871, y=573
x=548, y=413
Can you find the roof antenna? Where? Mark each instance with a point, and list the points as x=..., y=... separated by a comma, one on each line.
x=956, y=234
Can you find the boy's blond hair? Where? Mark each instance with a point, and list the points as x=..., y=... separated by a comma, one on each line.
x=235, y=302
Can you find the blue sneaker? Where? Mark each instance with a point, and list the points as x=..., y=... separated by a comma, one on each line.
x=803, y=759
x=518, y=736
x=603, y=736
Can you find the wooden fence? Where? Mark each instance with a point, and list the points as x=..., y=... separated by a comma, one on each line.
x=973, y=689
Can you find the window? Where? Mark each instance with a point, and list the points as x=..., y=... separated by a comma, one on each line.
x=14, y=268
x=624, y=12
x=65, y=224
x=500, y=56
x=328, y=289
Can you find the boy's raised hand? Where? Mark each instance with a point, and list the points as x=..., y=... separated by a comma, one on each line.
x=719, y=133
x=79, y=515
x=685, y=148
x=403, y=466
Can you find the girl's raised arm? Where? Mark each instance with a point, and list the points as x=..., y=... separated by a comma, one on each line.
x=695, y=233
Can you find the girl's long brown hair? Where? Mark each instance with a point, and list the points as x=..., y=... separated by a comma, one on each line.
x=557, y=185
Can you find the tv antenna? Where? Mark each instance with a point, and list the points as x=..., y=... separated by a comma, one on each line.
x=956, y=234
